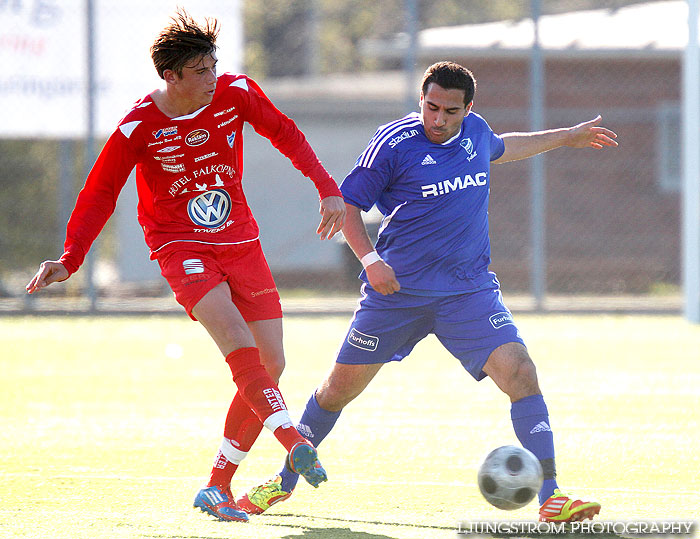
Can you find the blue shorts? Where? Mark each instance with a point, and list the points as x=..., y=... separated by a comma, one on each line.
x=470, y=326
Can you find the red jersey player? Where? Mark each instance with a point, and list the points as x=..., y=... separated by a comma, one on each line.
x=186, y=144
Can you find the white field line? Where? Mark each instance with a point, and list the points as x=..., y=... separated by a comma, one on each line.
x=346, y=481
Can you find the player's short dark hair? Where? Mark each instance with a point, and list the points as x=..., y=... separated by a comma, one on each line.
x=450, y=75
x=183, y=41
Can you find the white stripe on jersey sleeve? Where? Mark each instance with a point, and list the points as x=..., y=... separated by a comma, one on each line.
x=128, y=128
x=368, y=156
x=240, y=83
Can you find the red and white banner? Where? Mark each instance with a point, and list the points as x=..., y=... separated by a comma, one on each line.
x=43, y=53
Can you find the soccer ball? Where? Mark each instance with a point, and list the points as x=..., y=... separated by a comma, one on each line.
x=510, y=477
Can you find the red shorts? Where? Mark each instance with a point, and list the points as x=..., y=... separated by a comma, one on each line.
x=194, y=269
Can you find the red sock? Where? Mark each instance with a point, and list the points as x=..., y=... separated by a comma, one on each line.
x=240, y=431
x=260, y=392
x=223, y=470
x=242, y=424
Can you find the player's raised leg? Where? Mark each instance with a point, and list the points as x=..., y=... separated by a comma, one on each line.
x=315, y=424
x=342, y=385
x=256, y=388
x=242, y=425
x=514, y=372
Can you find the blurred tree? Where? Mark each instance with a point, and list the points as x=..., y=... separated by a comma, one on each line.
x=28, y=213
x=278, y=34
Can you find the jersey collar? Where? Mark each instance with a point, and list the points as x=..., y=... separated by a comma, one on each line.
x=447, y=142
x=191, y=115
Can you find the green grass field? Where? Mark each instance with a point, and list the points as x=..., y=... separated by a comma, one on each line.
x=110, y=425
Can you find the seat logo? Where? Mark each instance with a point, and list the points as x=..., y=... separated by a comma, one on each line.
x=210, y=209
x=193, y=265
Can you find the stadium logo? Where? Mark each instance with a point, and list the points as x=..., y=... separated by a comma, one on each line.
x=210, y=209
x=499, y=320
x=197, y=137
x=444, y=187
x=468, y=146
x=362, y=341
x=403, y=136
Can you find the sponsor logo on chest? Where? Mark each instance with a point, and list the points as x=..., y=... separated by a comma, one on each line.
x=210, y=209
x=205, y=175
x=197, y=137
x=447, y=186
x=165, y=132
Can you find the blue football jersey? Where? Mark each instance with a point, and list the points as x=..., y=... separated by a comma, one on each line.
x=434, y=198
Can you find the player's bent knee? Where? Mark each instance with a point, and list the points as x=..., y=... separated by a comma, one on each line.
x=274, y=367
x=525, y=370
x=513, y=371
x=523, y=380
x=343, y=384
x=334, y=399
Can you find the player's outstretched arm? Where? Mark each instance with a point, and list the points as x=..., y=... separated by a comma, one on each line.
x=590, y=135
x=332, y=212
x=584, y=135
x=50, y=271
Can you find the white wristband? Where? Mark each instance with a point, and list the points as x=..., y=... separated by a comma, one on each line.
x=370, y=258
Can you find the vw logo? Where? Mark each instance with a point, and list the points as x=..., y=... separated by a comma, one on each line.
x=210, y=209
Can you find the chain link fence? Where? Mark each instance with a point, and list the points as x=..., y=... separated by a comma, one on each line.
x=611, y=221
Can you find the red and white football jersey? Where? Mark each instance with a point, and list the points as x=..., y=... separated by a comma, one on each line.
x=188, y=171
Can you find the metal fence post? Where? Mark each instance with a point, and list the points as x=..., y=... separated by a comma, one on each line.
x=90, y=135
x=691, y=169
x=411, y=54
x=537, y=170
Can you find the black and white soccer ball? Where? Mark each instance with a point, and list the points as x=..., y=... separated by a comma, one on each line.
x=510, y=477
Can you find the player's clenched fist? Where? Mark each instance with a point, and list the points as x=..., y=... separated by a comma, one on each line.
x=49, y=272
x=382, y=278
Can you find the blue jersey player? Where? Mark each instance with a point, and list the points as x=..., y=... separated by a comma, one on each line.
x=429, y=175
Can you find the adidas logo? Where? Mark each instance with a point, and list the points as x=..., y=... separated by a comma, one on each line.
x=305, y=431
x=214, y=496
x=541, y=427
x=428, y=160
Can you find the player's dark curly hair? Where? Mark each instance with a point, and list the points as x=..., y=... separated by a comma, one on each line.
x=183, y=41
x=450, y=75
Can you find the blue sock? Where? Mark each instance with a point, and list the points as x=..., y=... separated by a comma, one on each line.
x=531, y=424
x=314, y=425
